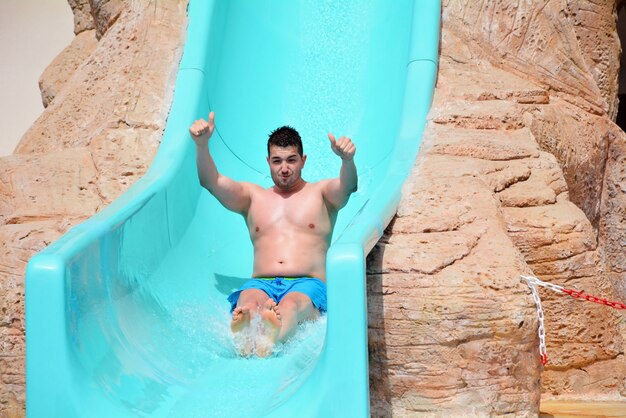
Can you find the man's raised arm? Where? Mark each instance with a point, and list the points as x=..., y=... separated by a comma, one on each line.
x=338, y=190
x=232, y=195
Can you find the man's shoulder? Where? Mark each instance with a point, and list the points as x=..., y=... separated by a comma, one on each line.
x=316, y=187
x=321, y=187
x=322, y=183
x=251, y=186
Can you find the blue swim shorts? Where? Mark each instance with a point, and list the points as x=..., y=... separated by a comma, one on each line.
x=277, y=287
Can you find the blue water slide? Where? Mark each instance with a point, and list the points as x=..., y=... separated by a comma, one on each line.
x=126, y=314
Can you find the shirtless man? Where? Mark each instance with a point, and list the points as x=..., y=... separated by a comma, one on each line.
x=290, y=226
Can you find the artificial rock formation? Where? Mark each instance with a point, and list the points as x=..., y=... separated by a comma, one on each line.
x=107, y=96
x=65, y=64
x=521, y=170
x=100, y=14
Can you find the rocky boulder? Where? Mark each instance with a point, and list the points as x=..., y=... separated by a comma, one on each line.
x=521, y=170
x=107, y=103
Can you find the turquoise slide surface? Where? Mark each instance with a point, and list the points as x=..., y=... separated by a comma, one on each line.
x=126, y=314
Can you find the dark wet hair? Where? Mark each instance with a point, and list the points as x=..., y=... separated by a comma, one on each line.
x=284, y=137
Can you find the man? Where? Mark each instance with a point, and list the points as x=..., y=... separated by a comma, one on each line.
x=290, y=226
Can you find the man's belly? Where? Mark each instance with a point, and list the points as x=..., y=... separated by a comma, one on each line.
x=293, y=258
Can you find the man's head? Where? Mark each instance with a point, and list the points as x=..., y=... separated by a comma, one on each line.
x=285, y=157
x=284, y=137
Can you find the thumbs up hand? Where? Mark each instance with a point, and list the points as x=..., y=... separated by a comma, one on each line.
x=201, y=130
x=343, y=147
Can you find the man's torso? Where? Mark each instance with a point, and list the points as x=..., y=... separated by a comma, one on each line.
x=290, y=234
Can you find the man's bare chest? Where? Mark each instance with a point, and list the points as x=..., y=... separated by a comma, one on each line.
x=306, y=212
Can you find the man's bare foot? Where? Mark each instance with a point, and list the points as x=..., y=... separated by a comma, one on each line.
x=241, y=319
x=240, y=322
x=271, y=320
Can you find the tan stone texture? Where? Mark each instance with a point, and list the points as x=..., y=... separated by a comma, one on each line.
x=594, y=25
x=106, y=12
x=108, y=102
x=579, y=140
x=100, y=14
x=451, y=327
x=521, y=170
x=65, y=65
x=612, y=226
x=535, y=40
x=82, y=15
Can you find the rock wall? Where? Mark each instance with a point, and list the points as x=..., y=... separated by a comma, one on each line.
x=522, y=169
x=107, y=96
x=593, y=23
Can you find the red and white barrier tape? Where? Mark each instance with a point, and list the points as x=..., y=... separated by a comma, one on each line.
x=533, y=282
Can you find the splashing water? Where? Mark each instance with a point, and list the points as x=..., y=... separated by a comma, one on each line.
x=246, y=386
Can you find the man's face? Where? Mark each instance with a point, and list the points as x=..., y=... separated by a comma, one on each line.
x=285, y=166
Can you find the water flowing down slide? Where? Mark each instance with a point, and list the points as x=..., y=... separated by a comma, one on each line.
x=126, y=314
